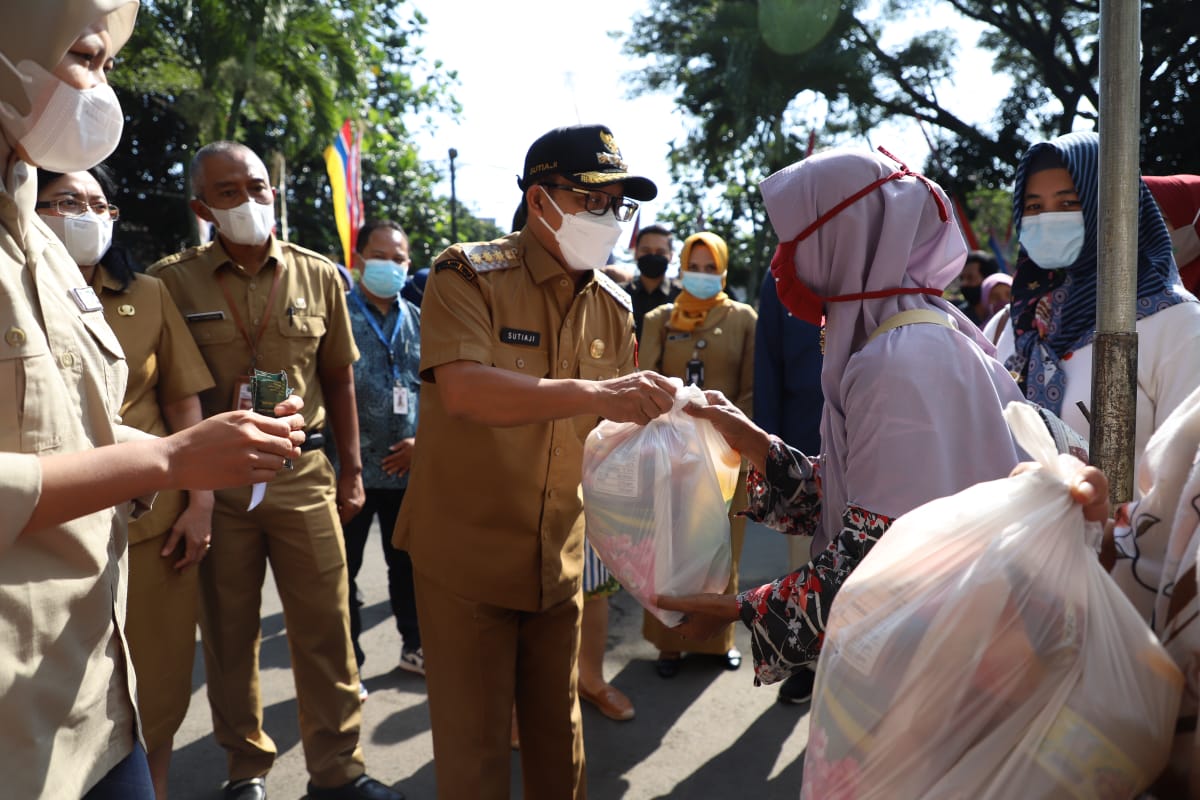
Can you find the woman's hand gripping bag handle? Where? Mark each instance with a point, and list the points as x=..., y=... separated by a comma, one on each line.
x=655, y=506
x=980, y=650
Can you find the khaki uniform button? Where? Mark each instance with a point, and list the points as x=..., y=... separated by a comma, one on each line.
x=558, y=451
x=565, y=363
x=520, y=363
x=67, y=360
x=15, y=337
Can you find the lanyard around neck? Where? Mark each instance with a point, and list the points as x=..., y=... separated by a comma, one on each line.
x=386, y=341
x=252, y=343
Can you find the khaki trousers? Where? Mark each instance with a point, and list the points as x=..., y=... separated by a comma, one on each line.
x=296, y=530
x=479, y=659
x=160, y=626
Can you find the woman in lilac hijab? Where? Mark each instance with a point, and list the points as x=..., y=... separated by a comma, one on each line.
x=907, y=381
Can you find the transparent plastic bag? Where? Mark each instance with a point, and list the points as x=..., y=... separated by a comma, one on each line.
x=656, y=501
x=981, y=651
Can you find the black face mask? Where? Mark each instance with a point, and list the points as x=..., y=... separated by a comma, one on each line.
x=653, y=265
x=972, y=294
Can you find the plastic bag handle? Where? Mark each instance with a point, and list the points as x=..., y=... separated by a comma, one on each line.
x=1031, y=434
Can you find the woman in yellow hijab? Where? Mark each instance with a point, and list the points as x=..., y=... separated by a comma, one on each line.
x=706, y=338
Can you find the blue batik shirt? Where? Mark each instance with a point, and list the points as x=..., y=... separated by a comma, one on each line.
x=386, y=381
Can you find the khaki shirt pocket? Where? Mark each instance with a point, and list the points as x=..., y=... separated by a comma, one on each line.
x=213, y=332
x=598, y=370
x=32, y=394
x=593, y=371
x=302, y=336
x=522, y=360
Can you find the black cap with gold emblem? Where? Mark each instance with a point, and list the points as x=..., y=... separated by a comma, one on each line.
x=584, y=154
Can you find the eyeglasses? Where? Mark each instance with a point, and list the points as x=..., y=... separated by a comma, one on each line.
x=599, y=203
x=70, y=207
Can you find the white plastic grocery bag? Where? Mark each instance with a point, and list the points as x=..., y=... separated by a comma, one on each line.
x=981, y=651
x=656, y=500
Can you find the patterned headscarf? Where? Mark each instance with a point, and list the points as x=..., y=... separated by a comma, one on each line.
x=1054, y=311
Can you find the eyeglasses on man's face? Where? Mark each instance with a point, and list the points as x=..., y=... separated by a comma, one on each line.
x=599, y=203
x=71, y=207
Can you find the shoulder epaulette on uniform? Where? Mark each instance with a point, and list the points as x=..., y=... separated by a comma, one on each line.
x=488, y=256
x=304, y=251
x=620, y=295
x=174, y=258
x=470, y=259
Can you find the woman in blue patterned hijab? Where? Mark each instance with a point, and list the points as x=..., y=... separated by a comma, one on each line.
x=1053, y=312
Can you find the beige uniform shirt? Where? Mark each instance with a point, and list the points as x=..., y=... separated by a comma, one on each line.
x=164, y=367
x=724, y=342
x=494, y=514
x=305, y=328
x=66, y=684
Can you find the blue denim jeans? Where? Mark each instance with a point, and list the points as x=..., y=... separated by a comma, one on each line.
x=128, y=780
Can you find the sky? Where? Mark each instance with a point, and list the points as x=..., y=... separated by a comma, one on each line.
x=525, y=68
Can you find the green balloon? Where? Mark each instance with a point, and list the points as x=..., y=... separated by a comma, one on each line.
x=791, y=27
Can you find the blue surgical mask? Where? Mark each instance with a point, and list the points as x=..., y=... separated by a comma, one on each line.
x=701, y=284
x=1053, y=239
x=383, y=278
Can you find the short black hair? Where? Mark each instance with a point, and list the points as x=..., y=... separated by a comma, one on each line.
x=520, y=216
x=987, y=262
x=656, y=229
x=364, y=233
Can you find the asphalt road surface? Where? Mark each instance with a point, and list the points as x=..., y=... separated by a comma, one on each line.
x=707, y=733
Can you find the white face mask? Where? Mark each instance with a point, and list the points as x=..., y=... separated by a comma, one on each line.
x=68, y=129
x=1053, y=239
x=249, y=224
x=585, y=239
x=87, y=238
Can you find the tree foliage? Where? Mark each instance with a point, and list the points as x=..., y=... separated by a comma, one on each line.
x=279, y=76
x=754, y=106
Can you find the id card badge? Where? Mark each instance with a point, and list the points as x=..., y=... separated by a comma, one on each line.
x=695, y=373
x=243, y=398
x=399, y=399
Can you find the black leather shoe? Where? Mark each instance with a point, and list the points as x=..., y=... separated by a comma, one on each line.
x=667, y=667
x=798, y=688
x=733, y=659
x=248, y=789
x=362, y=788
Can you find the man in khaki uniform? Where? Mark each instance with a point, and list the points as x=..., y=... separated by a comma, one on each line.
x=522, y=345
x=253, y=302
